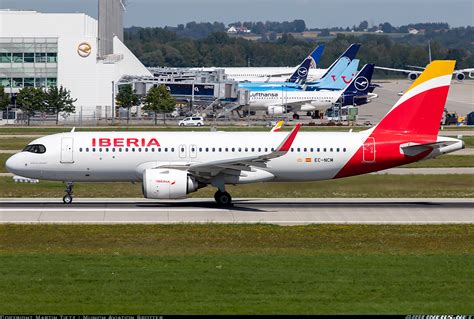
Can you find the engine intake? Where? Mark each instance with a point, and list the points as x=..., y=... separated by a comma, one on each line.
x=275, y=110
x=167, y=183
x=412, y=76
x=460, y=76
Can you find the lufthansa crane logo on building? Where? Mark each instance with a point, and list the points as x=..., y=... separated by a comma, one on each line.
x=84, y=49
x=361, y=83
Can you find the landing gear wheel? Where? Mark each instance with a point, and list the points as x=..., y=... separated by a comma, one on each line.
x=296, y=116
x=223, y=199
x=67, y=199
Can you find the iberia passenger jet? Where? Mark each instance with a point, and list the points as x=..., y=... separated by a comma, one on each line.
x=171, y=165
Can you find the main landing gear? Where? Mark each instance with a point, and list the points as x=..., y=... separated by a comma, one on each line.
x=67, y=199
x=223, y=199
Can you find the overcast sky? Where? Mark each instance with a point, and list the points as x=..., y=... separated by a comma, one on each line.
x=316, y=13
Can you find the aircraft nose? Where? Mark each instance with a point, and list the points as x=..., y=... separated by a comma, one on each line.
x=13, y=164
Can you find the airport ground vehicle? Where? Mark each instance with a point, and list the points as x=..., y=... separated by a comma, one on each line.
x=192, y=121
x=171, y=165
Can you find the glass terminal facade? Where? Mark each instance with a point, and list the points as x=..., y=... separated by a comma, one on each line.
x=28, y=62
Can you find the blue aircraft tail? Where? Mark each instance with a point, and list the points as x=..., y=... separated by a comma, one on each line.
x=339, y=79
x=349, y=54
x=357, y=91
x=316, y=55
x=301, y=73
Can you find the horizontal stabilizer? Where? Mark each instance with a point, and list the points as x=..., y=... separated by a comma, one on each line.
x=413, y=149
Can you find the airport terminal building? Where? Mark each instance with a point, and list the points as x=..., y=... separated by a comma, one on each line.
x=74, y=50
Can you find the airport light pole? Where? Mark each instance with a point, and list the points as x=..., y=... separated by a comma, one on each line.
x=113, y=102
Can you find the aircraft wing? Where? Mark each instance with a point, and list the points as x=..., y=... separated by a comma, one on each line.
x=398, y=70
x=233, y=166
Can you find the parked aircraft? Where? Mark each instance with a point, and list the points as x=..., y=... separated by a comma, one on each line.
x=343, y=70
x=281, y=74
x=171, y=165
x=288, y=99
x=459, y=75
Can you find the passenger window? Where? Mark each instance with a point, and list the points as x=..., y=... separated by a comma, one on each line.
x=100, y=149
x=344, y=149
x=80, y=149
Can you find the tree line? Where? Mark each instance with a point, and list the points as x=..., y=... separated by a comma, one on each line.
x=160, y=47
x=54, y=100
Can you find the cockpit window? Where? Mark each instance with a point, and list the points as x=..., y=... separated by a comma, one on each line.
x=35, y=148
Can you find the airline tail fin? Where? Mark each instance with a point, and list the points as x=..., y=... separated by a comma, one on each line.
x=360, y=84
x=301, y=73
x=420, y=109
x=349, y=55
x=316, y=55
x=312, y=61
x=342, y=79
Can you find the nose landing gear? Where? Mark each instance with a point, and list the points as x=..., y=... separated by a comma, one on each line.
x=67, y=199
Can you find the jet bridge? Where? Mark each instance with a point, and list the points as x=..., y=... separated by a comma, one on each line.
x=199, y=89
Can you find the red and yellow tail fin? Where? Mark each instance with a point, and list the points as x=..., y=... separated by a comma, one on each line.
x=421, y=107
x=277, y=127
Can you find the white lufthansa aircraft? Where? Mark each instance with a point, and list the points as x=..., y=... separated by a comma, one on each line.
x=171, y=165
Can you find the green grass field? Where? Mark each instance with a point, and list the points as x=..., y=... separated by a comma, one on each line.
x=236, y=269
x=364, y=186
x=14, y=143
x=445, y=161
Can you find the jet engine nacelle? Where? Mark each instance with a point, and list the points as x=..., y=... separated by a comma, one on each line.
x=162, y=183
x=459, y=76
x=275, y=110
x=412, y=76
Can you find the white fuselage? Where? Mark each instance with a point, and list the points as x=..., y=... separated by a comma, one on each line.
x=84, y=162
x=264, y=74
x=124, y=156
x=294, y=100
